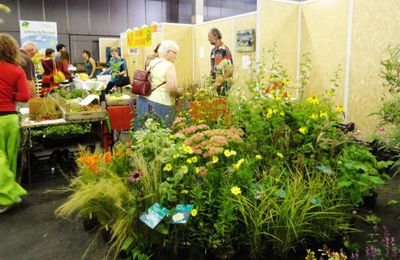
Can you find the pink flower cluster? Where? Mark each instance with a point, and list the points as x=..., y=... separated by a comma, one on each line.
x=193, y=129
x=211, y=142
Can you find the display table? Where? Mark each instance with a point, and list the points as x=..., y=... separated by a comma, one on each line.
x=27, y=125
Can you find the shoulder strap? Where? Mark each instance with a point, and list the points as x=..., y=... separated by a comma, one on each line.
x=158, y=86
x=154, y=65
x=162, y=82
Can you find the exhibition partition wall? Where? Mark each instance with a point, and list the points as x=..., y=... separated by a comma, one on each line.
x=228, y=27
x=182, y=34
x=354, y=35
x=346, y=34
x=324, y=26
x=375, y=25
x=278, y=23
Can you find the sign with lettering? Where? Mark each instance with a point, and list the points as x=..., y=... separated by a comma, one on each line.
x=44, y=34
x=139, y=37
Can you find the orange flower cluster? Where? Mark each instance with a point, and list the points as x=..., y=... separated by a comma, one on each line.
x=90, y=161
x=107, y=157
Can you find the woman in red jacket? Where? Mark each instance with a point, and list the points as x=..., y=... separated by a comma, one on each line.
x=13, y=88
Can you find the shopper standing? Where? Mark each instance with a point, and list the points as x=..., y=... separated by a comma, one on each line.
x=219, y=53
x=13, y=88
x=164, y=84
x=118, y=69
x=60, y=49
x=49, y=67
x=63, y=64
x=90, y=64
x=28, y=51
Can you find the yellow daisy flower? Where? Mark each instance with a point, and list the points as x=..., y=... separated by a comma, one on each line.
x=167, y=167
x=187, y=149
x=236, y=190
x=280, y=155
x=323, y=114
x=340, y=109
x=215, y=159
x=314, y=116
x=193, y=212
x=258, y=157
x=303, y=130
x=313, y=100
x=238, y=164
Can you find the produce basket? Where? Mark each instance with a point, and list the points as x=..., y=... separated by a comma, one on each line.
x=43, y=109
x=72, y=112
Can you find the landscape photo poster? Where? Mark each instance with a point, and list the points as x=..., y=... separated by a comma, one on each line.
x=43, y=33
x=245, y=40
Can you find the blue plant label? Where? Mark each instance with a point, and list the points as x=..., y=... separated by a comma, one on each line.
x=325, y=169
x=316, y=201
x=281, y=194
x=181, y=214
x=154, y=215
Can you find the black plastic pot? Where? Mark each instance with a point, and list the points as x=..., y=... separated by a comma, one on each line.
x=369, y=202
x=106, y=235
x=90, y=224
x=224, y=253
x=123, y=255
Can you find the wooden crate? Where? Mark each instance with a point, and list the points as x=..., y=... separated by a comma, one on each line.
x=77, y=116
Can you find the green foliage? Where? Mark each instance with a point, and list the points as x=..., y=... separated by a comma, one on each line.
x=281, y=175
x=62, y=130
x=391, y=69
x=359, y=174
x=74, y=93
x=389, y=113
x=151, y=141
x=305, y=68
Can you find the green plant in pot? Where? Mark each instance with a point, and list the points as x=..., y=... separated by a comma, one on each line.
x=358, y=172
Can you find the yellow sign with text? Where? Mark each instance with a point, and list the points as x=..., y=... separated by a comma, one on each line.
x=139, y=38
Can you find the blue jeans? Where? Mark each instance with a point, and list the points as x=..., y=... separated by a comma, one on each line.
x=147, y=108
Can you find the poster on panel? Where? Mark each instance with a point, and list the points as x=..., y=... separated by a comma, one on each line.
x=43, y=33
x=245, y=40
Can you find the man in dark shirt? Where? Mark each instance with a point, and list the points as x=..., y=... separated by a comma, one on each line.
x=28, y=50
x=219, y=53
x=60, y=48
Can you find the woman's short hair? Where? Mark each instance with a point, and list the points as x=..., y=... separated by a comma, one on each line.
x=49, y=52
x=9, y=51
x=86, y=52
x=216, y=33
x=114, y=49
x=166, y=46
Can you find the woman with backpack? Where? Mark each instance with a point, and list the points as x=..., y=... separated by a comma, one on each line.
x=164, y=85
